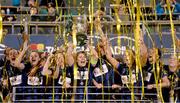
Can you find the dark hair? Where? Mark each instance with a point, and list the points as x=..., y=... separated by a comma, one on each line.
x=34, y=7
x=50, y=4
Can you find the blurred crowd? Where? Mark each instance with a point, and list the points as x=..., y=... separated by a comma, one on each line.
x=39, y=10
x=46, y=10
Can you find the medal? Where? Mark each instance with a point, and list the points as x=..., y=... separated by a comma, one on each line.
x=82, y=83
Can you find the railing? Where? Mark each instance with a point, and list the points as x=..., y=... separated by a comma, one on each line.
x=43, y=96
x=150, y=18
x=14, y=27
x=109, y=11
x=77, y=8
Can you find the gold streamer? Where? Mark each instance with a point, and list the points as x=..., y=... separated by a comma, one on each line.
x=91, y=15
x=118, y=25
x=75, y=82
x=172, y=26
x=99, y=7
x=53, y=90
x=1, y=29
x=74, y=31
x=141, y=63
x=154, y=4
x=137, y=45
x=156, y=70
x=57, y=7
x=75, y=66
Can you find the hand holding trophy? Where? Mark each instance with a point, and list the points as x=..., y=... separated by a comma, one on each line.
x=77, y=28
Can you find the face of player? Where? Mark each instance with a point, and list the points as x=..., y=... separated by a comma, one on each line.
x=173, y=63
x=81, y=60
x=128, y=59
x=152, y=57
x=13, y=55
x=34, y=58
x=60, y=59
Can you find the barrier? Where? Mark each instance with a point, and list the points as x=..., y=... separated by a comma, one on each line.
x=43, y=96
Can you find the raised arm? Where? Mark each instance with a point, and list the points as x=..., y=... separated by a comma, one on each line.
x=108, y=53
x=97, y=22
x=46, y=70
x=104, y=39
x=69, y=55
x=106, y=45
x=112, y=60
x=99, y=30
x=19, y=59
x=107, y=49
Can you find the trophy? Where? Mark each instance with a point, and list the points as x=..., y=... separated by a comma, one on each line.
x=81, y=35
x=80, y=25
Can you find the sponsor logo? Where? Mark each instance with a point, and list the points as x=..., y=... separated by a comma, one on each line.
x=37, y=47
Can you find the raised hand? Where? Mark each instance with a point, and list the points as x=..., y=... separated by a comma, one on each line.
x=69, y=54
x=25, y=37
